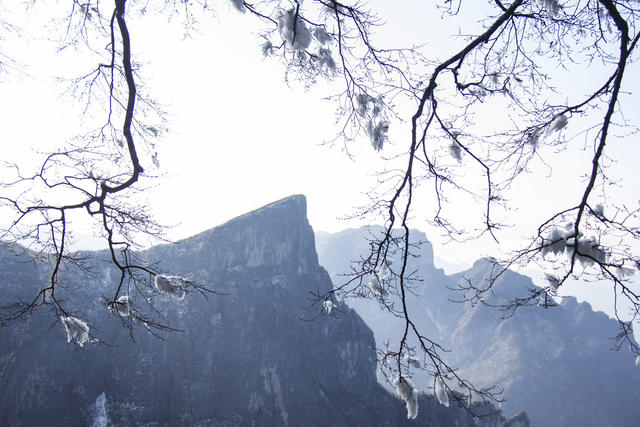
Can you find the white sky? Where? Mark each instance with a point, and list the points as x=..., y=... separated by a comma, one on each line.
x=240, y=137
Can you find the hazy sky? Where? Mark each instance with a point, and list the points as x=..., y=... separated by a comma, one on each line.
x=240, y=137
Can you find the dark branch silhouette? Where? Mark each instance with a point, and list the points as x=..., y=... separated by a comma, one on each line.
x=507, y=68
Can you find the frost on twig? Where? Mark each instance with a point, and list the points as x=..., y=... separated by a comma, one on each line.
x=77, y=330
x=172, y=285
x=407, y=392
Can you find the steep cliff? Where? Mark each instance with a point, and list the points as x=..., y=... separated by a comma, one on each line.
x=248, y=357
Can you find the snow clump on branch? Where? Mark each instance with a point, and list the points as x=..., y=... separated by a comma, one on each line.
x=77, y=330
x=325, y=59
x=599, y=211
x=407, y=392
x=441, y=391
x=267, y=48
x=384, y=271
x=378, y=133
x=376, y=287
x=293, y=30
x=170, y=285
x=551, y=5
x=239, y=5
x=588, y=250
x=363, y=103
x=554, y=282
x=455, y=151
x=321, y=35
x=559, y=123
x=376, y=125
x=533, y=137
x=556, y=242
x=412, y=361
x=122, y=306
x=328, y=305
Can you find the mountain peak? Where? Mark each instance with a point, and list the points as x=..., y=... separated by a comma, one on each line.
x=278, y=234
x=294, y=206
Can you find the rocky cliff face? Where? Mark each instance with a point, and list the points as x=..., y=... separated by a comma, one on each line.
x=248, y=357
x=555, y=364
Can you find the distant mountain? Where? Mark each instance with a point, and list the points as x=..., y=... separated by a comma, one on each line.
x=245, y=358
x=555, y=364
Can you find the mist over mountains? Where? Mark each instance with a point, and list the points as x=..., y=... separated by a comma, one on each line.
x=556, y=364
x=248, y=357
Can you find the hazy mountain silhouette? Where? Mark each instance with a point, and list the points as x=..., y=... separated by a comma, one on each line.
x=555, y=364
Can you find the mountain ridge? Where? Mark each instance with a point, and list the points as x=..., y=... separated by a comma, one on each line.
x=555, y=364
x=245, y=358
